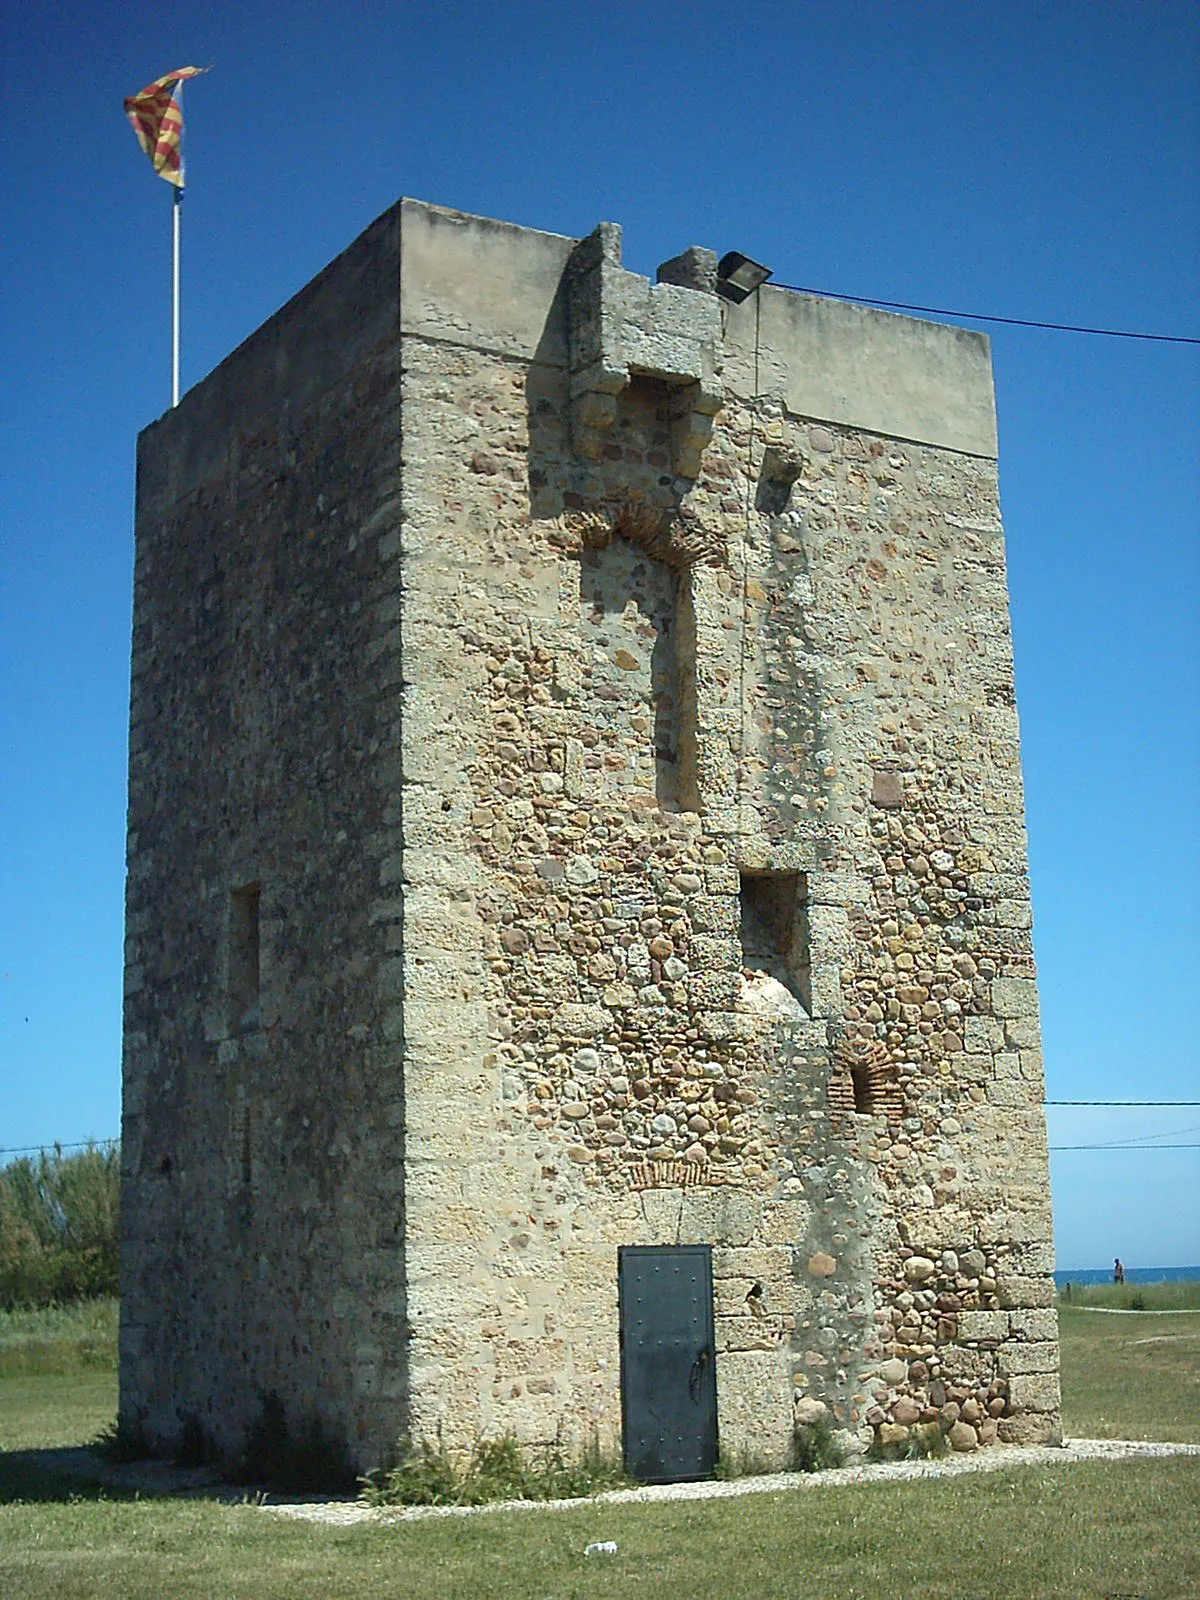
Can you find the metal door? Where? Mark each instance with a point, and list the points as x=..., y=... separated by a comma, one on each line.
x=668, y=1371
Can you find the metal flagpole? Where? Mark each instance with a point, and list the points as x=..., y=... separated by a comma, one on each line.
x=176, y=242
x=157, y=117
x=176, y=215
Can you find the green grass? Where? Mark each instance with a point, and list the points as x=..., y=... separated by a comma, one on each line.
x=53, y=1412
x=1093, y=1530
x=1130, y=1377
x=1183, y=1296
x=59, y=1339
x=1086, y=1532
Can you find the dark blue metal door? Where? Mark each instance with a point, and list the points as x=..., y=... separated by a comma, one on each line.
x=668, y=1371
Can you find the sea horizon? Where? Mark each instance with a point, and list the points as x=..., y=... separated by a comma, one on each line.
x=1132, y=1274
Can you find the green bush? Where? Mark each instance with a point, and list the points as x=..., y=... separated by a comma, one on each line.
x=1173, y=1294
x=498, y=1469
x=123, y=1440
x=423, y=1476
x=815, y=1446
x=59, y=1226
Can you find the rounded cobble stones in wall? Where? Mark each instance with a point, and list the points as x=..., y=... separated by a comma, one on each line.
x=918, y=1269
x=920, y=956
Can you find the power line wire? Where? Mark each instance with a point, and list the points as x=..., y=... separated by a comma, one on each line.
x=979, y=316
x=84, y=1144
x=1121, y=1102
x=1133, y=1141
x=1127, y=1149
x=34, y=1149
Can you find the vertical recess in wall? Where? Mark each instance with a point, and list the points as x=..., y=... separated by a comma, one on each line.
x=628, y=603
x=660, y=608
x=775, y=932
x=685, y=669
x=240, y=1150
x=864, y=1095
x=244, y=977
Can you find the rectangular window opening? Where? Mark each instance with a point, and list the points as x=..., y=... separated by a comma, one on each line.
x=244, y=957
x=775, y=930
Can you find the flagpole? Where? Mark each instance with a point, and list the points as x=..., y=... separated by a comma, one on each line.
x=157, y=117
x=176, y=215
x=176, y=242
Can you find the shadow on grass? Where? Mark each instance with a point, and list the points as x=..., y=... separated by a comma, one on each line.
x=78, y=1473
x=51, y=1475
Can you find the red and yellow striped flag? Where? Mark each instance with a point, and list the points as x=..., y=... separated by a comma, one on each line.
x=158, y=122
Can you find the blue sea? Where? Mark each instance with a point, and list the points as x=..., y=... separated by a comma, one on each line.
x=1132, y=1275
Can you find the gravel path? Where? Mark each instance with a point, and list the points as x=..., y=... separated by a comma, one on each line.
x=345, y=1512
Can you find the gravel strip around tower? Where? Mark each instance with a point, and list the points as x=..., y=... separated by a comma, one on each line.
x=344, y=1513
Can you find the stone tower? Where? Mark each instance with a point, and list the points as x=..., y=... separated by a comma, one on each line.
x=578, y=920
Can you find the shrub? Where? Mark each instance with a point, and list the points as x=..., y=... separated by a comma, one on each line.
x=59, y=1220
x=815, y=1446
x=498, y=1469
x=423, y=1476
x=123, y=1440
x=194, y=1447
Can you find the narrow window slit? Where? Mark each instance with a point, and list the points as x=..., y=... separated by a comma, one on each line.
x=244, y=956
x=864, y=1093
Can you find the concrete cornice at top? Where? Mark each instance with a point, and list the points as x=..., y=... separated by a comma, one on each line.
x=496, y=286
x=499, y=287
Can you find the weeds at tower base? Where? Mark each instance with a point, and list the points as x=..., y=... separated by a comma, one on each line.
x=816, y=1447
x=497, y=1469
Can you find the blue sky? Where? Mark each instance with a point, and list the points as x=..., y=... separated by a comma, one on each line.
x=1037, y=160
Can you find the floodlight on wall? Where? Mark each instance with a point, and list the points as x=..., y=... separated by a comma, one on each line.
x=738, y=276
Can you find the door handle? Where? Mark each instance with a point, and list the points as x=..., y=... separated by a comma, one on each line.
x=696, y=1375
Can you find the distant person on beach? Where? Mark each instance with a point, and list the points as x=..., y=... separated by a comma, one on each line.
x=1118, y=1271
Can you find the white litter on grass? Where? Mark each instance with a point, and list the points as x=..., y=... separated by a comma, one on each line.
x=602, y=1547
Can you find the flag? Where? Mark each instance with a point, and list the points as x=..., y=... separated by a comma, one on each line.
x=157, y=120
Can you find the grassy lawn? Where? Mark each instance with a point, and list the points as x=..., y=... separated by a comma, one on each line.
x=1082, y=1531
x=1135, y=1377
x=1095, y=1530
x=58, y=1380
x=59, y=1339
x=1182, y=1296
x=60, y=1409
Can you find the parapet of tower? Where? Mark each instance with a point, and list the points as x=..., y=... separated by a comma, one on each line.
x=579, y=962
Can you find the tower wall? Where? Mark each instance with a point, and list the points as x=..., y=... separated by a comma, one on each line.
x=263, y=1109
x=641, y=849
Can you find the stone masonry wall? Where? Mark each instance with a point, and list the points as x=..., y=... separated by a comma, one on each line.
x=613, y=726
x=628, y=690
x=262, y=1133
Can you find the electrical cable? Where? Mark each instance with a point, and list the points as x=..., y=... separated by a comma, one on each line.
x=35, y=1149
x=1127, y=1149
x=1137, y=1140
x=979, y=316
